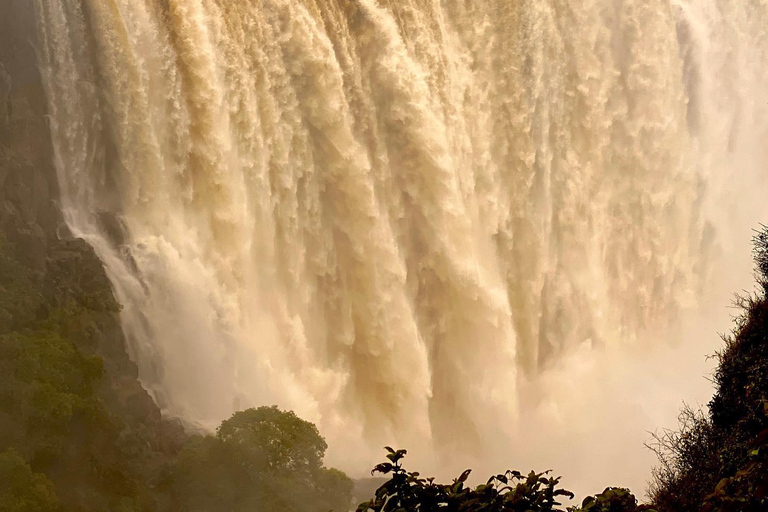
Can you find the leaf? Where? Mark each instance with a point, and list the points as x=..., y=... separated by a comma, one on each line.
x=762, y=437
x=383, y=468
x=721, y=485
x=396, y=456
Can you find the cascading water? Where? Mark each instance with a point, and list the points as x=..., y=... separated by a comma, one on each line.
x=394, y=216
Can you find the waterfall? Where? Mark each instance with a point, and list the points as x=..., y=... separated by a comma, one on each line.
x=395, y=217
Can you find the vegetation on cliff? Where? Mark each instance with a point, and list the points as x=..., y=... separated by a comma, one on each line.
x=70, y=403
x=718, y=462
x=79, y=433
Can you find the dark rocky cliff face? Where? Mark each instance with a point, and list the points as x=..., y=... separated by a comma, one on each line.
x=28, y=214
x=62, y=269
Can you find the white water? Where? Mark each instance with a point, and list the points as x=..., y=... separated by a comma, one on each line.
x=462, y=226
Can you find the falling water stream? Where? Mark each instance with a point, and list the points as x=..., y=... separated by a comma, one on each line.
x=412, y=221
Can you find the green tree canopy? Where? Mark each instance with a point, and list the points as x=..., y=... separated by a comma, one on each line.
x=22, y=490
x=261, y=459
x=279, y=441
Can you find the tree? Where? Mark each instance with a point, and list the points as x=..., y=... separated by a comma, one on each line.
x=22, y=490
x=261, y=459
x=280, y=441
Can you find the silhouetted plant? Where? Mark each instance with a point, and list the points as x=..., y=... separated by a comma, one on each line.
x=688, y=462
x=508, y=492
x=613, y=499
x=760, y=244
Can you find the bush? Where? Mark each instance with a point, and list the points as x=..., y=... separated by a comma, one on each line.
x=613, y=499
x=508, y=492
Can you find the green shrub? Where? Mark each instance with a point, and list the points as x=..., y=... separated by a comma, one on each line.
x=613, y=499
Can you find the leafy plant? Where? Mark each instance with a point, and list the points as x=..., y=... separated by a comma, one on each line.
x=508, y=492
x=613, y=499
x=748, y=488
